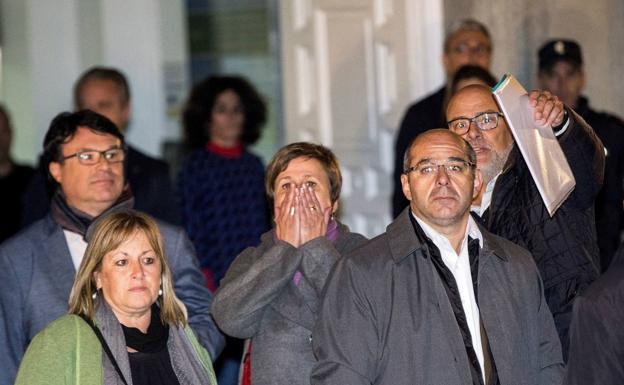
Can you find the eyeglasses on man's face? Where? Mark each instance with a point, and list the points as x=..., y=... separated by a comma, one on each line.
x=485, y=121
x=90, y=157
x=454, y=167
x=478, y=49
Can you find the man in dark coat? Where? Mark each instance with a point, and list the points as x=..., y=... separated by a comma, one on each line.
x=561, y=72
x=14, y=178
x=106, y=91
x=436, y=299
x=596, y=333
x=467, y=42
x=510, y=205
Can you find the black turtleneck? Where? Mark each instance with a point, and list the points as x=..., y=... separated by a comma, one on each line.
x=151, y=364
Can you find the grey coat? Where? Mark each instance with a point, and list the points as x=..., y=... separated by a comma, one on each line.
x=258, y=299
x=386, y=318
x=37, y=273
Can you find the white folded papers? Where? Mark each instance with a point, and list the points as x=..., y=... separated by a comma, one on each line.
x=539, y=146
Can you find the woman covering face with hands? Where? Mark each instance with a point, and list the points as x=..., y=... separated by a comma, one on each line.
x=303, y=206
x=270, y=293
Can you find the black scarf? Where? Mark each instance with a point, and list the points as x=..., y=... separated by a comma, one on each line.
x=452, y=292
x=72, y=219
x=154, y=340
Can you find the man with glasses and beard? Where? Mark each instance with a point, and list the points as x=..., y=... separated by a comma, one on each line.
x=509, y=204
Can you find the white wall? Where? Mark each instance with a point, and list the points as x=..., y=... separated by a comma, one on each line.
x=520, y=27
x=47, y=44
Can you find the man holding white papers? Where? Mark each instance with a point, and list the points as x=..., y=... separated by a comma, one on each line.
x=564, y=245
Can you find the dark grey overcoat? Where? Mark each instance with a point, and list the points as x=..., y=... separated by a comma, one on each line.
x=270, y=295
x=386, y=318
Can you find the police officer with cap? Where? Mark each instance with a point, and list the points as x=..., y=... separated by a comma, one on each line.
x=561, y=72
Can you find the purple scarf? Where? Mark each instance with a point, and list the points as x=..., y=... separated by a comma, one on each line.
x=332, y=235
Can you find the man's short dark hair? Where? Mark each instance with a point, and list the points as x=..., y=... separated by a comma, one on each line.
x=64, y=126
x=102, y=73
x=198, y=109
x=473, y=72
x=464, y=25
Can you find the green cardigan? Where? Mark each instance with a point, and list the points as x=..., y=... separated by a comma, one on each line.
x=68, y=352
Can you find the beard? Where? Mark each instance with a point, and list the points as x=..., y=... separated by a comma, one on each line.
x=496, y=163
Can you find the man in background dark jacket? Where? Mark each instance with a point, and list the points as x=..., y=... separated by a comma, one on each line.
x=467, y=42
x=596, y=333
x=561, y=72
x=14, y=178
x=106, y=91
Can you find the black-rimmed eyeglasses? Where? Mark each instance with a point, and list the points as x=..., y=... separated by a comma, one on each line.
x=485, y=121
x=90, y=157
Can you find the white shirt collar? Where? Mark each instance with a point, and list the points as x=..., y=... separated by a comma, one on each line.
x=472, y=230
x=76, y=245
x=486, y=199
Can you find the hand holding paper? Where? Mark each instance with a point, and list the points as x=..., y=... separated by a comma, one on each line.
x=530, y=119
x=549, y=109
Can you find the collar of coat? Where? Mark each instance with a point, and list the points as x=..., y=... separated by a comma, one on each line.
x=403, y=240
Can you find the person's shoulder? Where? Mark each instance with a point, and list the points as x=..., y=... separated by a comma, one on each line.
x=370, y=254
x=32, y=235
x=608, y=287
x=193, y=161
x=614, y=121
x=253, y=158
x=349, y=240
x=598, y=117
x=63, y=337
x=146, y=162
x=434, y=99
x=354, y=238
x=23, y=171
x=508, y=250
x=169, y=230
x=63, y=329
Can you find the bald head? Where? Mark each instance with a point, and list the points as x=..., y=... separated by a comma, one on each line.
x=440, y=180
x=474, y=94
x=434, y=135
x=493, y=144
